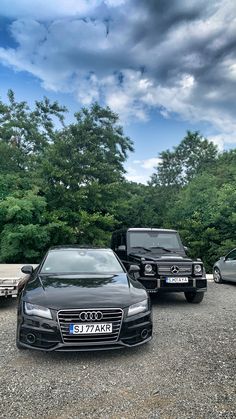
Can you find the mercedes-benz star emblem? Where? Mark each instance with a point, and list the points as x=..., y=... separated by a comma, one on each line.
x=174, y=269
x=86, y=316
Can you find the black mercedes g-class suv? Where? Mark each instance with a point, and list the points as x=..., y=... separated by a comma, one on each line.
x=163, y=264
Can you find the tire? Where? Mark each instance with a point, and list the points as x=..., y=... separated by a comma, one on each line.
x=217, y=276
x=194, y=297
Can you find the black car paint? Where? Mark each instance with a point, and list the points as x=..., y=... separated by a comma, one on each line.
x=159, y=256
x=65, y=291
x=59, y=292
x=142, y=259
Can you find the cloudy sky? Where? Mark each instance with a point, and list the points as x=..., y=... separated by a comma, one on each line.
x=164, y=66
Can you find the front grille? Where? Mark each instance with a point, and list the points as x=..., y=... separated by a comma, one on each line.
x=184, y=269
x=67, y=317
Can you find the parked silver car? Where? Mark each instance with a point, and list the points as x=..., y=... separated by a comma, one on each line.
x=225, y=268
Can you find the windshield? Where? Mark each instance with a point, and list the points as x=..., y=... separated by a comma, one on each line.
x=71, y=261
x=154, y=239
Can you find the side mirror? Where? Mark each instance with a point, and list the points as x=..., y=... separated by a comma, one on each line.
x=185, y=248
x=121, y=248
x=223, y=258
x=133, y=269
x=27, y=269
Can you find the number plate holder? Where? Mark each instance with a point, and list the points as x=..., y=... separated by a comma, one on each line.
x=90, y=328
x=177, y=280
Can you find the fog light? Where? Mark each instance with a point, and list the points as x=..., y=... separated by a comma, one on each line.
x=31, y=338
x=144, y=333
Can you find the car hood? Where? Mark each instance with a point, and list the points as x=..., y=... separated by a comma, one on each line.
x=164, y=257
x=83, y=291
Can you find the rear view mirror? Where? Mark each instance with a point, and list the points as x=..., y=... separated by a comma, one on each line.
x=121, y=248
x=27, y=269
x=133, y=269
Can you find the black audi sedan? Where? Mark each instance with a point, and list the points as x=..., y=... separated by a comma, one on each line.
x=81, y=299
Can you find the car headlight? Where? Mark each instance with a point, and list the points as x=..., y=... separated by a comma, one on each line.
x=148, y=269
x=197, y=269
x=34, y=310
x=138, y=308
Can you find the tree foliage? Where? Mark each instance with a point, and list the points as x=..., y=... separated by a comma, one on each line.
x=57, y=186
x=192, y=156
x=205, y=211
x=64, y=184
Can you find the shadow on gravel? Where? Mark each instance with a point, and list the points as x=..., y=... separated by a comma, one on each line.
x=82, y=358
x=7, y=302
x=233, y=284
x=168, y=299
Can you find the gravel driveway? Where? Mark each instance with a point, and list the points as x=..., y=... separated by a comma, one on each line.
x=187, y=371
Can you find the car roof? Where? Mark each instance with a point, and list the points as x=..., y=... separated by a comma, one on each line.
x=152, y=229
x=137, y=229
x=76, y=247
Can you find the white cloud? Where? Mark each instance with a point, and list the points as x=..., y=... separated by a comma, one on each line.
x=218, y=140
x=151, y=163
x=115, y=3
x=134, y=175
x=126, y=99
x=88, y=91
x=141, y=170
x=132, y=56
x=221, y=139
x=148, y=163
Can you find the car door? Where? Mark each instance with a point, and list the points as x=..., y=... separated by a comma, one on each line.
x=229, y=271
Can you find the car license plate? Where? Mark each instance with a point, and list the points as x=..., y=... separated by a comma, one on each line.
x=177, y=279
x=90, y=328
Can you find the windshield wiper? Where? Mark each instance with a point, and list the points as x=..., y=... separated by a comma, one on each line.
x=141, y=247
x=162, y=248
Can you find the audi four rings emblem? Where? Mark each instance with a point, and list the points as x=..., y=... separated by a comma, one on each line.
x=174, y=269
x=86, y=316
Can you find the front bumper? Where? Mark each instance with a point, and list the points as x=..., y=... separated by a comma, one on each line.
x=9, y=291
x=48, y=337
x=154, y=285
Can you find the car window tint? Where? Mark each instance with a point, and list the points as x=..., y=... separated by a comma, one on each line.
x=232, y=255
x=152, y=239
x=81, y=261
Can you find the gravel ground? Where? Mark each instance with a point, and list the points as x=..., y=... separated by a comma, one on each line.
x=188, y=370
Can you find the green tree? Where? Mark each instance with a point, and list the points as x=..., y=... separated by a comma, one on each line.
x=57, y=185
x=134, y=206
x=82, y=170
x=177, y=168
x=29, y=130
x=65, y=184
x=27, y=229
x=25, y=132
x=193, y=155
x=205, y=215
x=22, y=234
